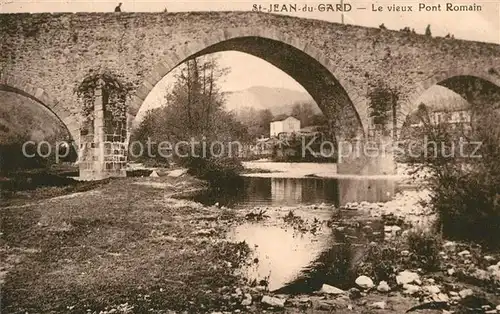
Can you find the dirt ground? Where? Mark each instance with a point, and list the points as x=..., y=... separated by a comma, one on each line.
x=121, y=243
x=126, y=246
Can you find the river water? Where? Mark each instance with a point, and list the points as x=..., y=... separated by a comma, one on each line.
x=257, y=191
x=305, y=240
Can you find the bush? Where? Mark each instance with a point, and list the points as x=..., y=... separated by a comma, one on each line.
x=465, y=190
x=380, y=262
x=425, y=247
x=217, y=171
x=12, y=158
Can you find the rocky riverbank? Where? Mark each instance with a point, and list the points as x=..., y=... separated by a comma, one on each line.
x=465, y=280
x=130, y=246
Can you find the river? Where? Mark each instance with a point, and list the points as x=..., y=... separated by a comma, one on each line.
x=306, y=239
x=269, y=191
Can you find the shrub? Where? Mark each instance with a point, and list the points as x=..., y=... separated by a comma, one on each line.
x=465, y=190
x=217, y=171
x=380, y=262
x=425, y=248
x=12, y=158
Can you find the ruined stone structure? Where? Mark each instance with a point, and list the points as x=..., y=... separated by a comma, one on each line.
x=44, y=56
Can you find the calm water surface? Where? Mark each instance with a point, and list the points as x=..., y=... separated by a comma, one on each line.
x=255, y=191
x=328, y=244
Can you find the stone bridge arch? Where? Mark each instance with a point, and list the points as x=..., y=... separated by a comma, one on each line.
x=331, y=91
x=42, y=97
x=448, y=78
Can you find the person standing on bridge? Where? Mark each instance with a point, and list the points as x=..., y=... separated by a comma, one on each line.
x=118, y=8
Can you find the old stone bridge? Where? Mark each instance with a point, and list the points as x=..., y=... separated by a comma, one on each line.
x=45, y=56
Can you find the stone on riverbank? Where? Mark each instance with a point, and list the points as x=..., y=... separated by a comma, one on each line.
x=410, y=289
x=464, y=253
x=465, y=293
x=364, y=282
x=379, y=305
x=383, y=287
x=432, y=289
x=406, y=277
x=154, y=174
x=273, y=301
x=327, y=289
x=247, y=299
x=440, y=297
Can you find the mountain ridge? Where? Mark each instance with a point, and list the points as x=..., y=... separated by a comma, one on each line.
x=277, y=99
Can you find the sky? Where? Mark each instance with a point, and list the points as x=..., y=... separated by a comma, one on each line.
x=246, y=70
x=481, y=26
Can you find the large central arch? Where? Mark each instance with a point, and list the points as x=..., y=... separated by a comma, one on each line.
x=302, y=61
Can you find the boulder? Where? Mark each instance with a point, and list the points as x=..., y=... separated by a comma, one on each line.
x=364, y=282
x=465, y=293
x=494, y=271
x=464, y=253
x=177, y=173
x=432, y=289
x=406, y=277
x=489, y=258
x=154, y=174
x=440, y=297
x=205, y=232
x=393, y=229
x=354, y=293
x=383, y=287
x=450, y=245
x=247, y=300
x=327, y=289
x=379, y=305
x=410, y=289
x=273, y=301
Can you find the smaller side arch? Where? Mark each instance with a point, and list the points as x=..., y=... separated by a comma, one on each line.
x=16, y=85
x=410, y=104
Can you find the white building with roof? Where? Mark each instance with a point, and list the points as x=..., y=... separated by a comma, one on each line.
x=287, y=125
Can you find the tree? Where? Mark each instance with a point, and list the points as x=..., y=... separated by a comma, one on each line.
x=257, y=122
x=193, y=109
x=265, y=119
x=463, y=176
x=304, y=112
x=196, y=96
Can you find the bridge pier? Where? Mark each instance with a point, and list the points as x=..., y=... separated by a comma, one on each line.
x=362, y=156
x=102, y=150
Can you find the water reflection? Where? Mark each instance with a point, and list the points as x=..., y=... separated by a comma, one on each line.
x=294, y=262
x=369, y=190
x=282, y=250
x=256, y=191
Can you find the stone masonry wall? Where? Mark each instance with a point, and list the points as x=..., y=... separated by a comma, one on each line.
x=51, y=53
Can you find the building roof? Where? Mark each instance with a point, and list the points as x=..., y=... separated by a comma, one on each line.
x=282, y=118
x=448, y=105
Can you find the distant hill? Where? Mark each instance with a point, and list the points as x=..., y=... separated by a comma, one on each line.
x=278, y=100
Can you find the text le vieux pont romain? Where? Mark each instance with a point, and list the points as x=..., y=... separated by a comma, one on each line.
x=374, y=7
